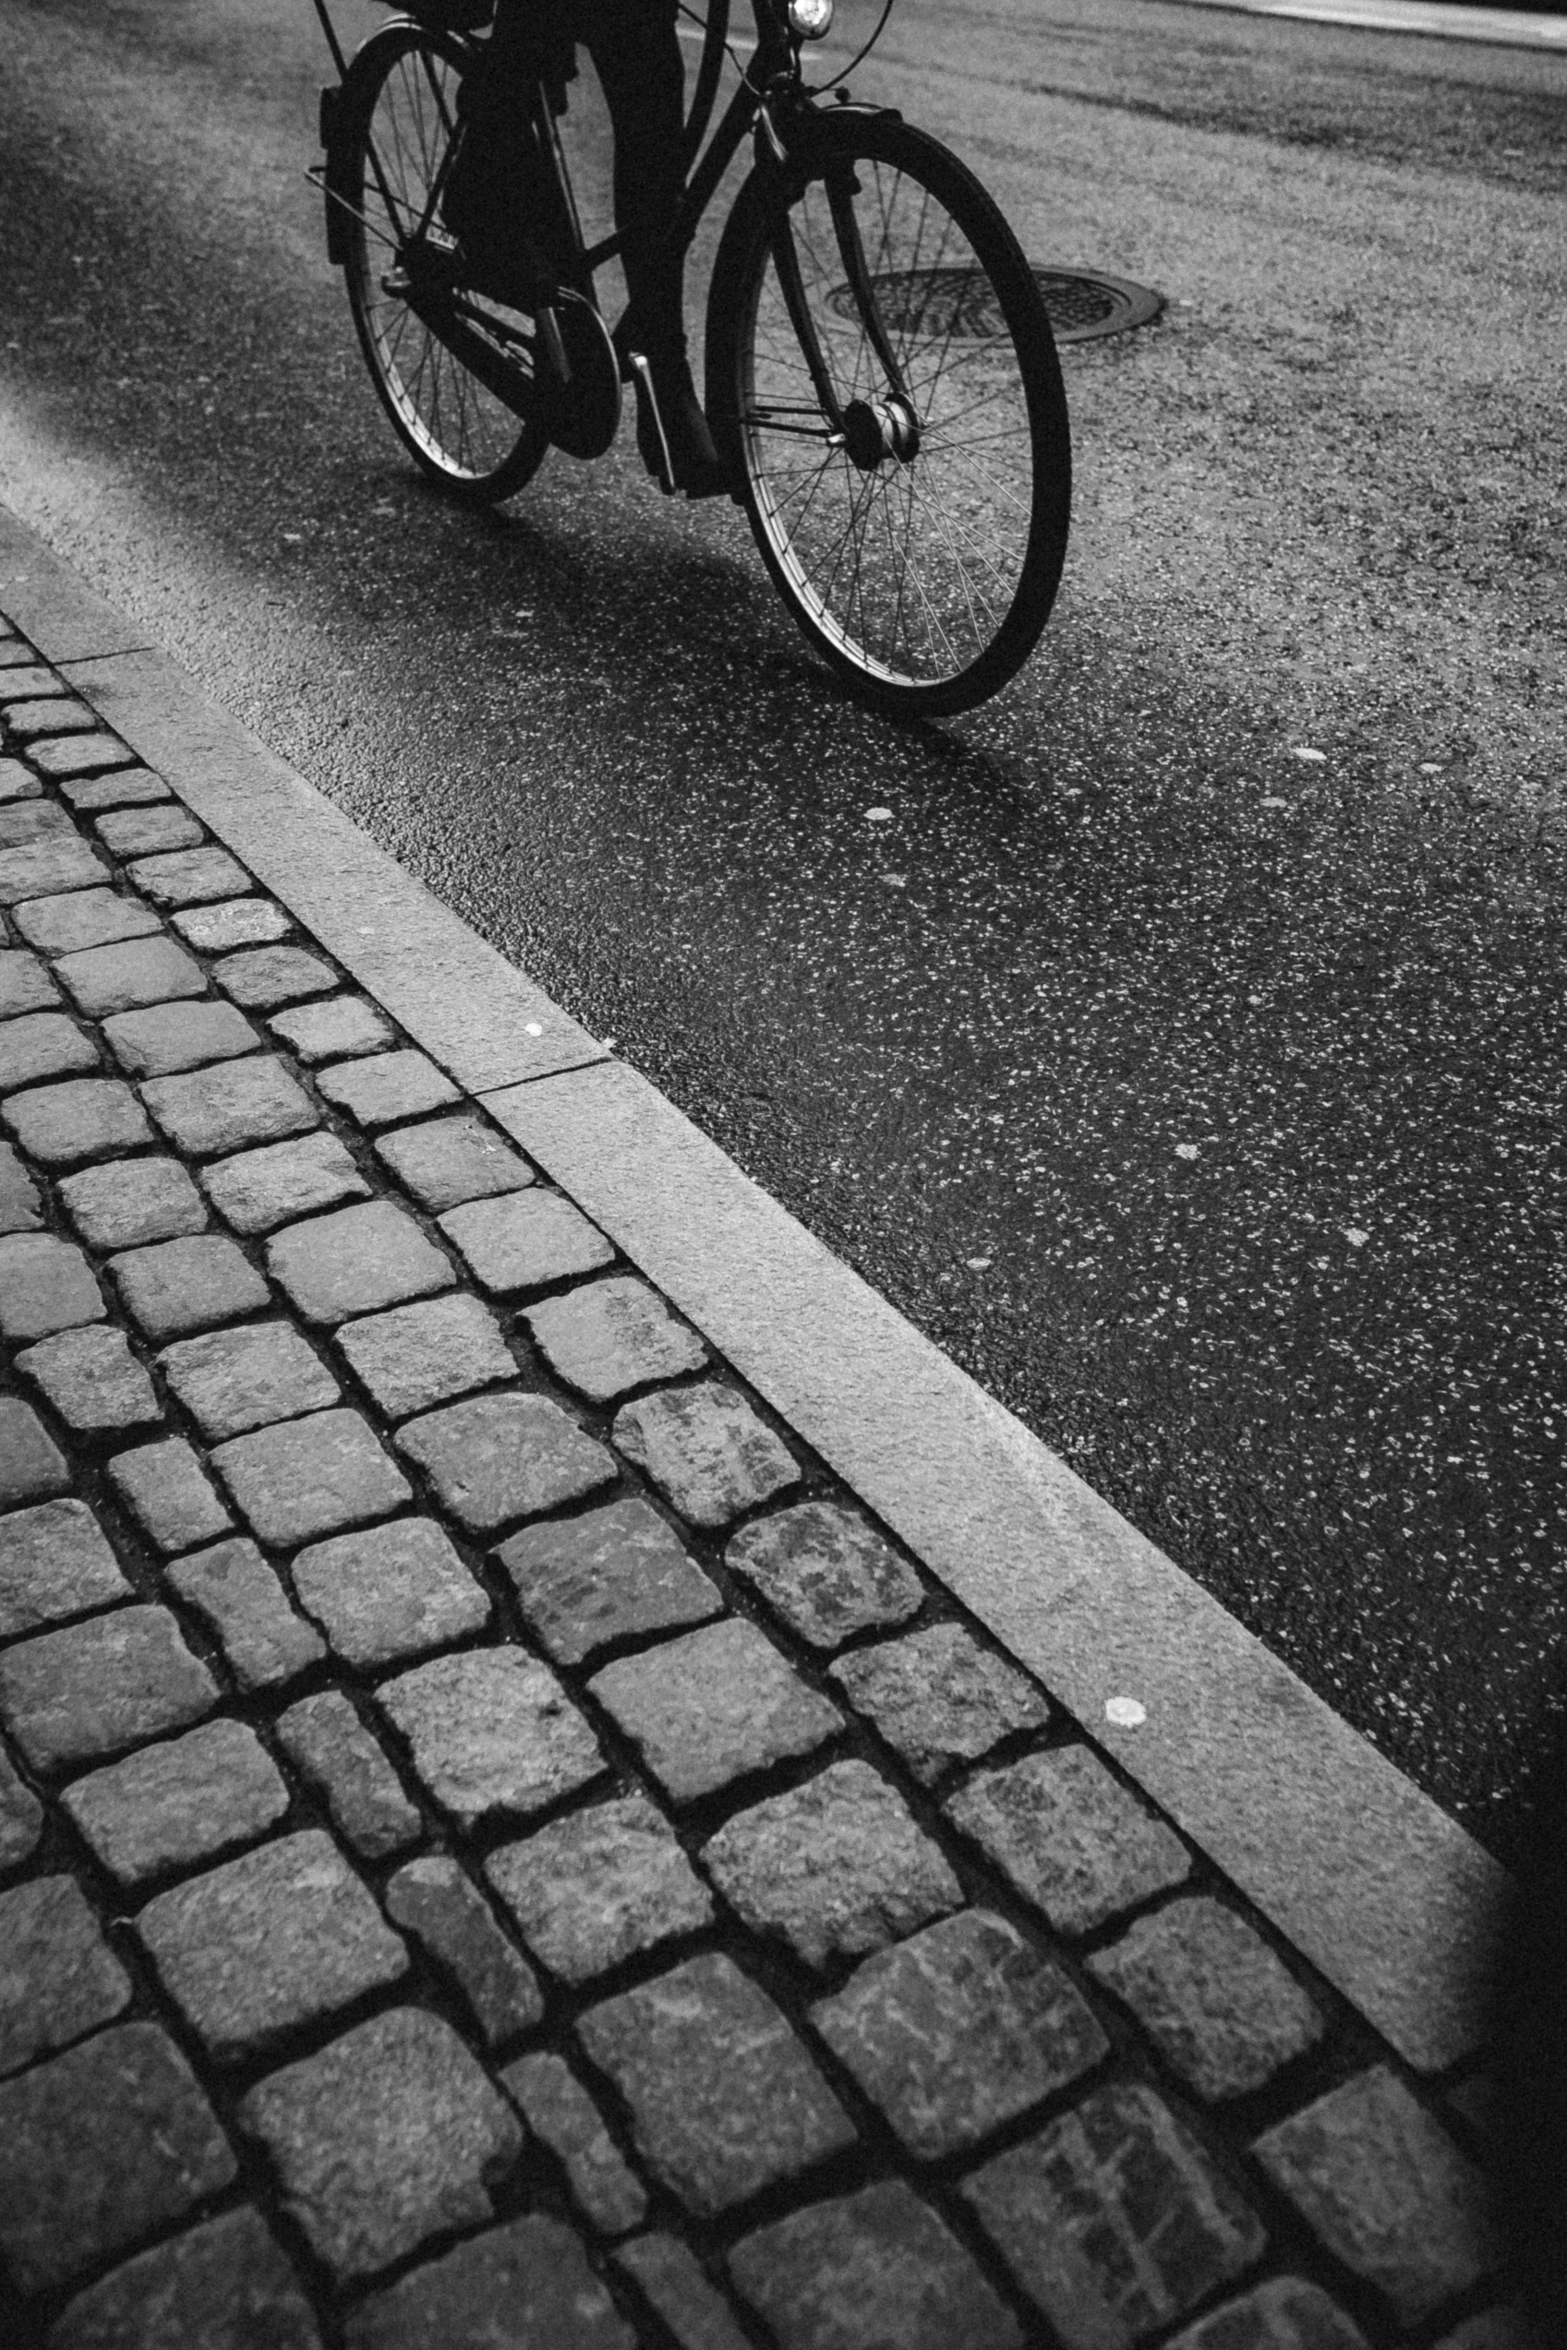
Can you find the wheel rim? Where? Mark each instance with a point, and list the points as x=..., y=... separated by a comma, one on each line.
x=454, y=422
x=909, y=567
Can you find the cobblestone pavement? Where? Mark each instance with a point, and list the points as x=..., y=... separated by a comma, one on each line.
x=495, y=1848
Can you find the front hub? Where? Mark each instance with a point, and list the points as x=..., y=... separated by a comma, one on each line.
x=876, y=430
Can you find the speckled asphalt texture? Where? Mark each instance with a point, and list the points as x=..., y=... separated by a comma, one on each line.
x=1202, y=1098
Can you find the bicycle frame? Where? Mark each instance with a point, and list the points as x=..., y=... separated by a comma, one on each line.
x=771, y=105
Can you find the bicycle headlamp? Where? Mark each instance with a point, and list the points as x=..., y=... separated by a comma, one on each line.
x=810, y=20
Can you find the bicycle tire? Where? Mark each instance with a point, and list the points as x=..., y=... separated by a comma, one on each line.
x=925, y=575
x=399, y=121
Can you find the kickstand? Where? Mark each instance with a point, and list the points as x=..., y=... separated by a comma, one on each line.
x=651, y=437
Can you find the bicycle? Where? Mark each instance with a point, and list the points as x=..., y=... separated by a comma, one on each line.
x=881, y=378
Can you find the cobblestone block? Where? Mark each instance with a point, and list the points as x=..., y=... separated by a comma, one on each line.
x=35, y=819
x=224, y=2286
x=40, y=1045
x=501, y=1457
x=20, y=1209
x=54, y=1563
x=51, y=713
x=1113, y=2219
x=723, y=2098
x=519, y=2285
x=1208, y=1990
x=259, y=1190
x=493, y=1734
x=341, y=1759
x=166, y=1490
x=45, y=868
x=558, y=2110
x=262, y=978
x=99, y=2149
x=147, y=832
x=356, y=1262
x=190, y=877
x=1386, y=2190
x=939, y=1698
x=424, y=1354
x=180, y=1802
x=21, y=1818
x=706, y=1451
x=84, y=918
x=1284, y=2314
x=1500, y=2328
x=243, y=1605
x=16, y=783
x=172, y=1037
x=825, y=1572
x=307, y=1478
x=396, y=1591
x=587, y=1581
x=275, y=1939
x=434, y=1900
x=450, y=1160
x=130, y=975
x=234, y=922
x=598, y=1886
x=233, y=1380
x=222, y=1109
x=611, y=1336
x=25, y=986
x=870, y=2268
x=45, y=1285
x=671, y=2280
x=394, y=1085
x=59, y=1979
x=712, y=1706
x=960, y=2030
x=176, y=1286
x=331, y=1031
x=93, y=1689
x=86, y=1118
x=120, y=787
x=93, y=1381
x=88, y=754
x=389, y=2135
x=20, y=681
x=524, y=1240
x=31, y=1467
x=835, y=1867
x=129, y=1202
x=1069, y=1837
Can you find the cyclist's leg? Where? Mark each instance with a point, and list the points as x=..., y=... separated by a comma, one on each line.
x=504, y=207
x=636, y=51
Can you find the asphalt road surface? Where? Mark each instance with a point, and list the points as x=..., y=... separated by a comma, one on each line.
x=1202, y=1098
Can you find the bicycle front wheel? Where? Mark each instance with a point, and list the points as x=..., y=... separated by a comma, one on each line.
x=883, y=379
x=401, y=273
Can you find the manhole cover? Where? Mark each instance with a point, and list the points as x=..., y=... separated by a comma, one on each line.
x=941, y=303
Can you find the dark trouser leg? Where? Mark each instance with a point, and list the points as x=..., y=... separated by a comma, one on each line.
x=636, y=51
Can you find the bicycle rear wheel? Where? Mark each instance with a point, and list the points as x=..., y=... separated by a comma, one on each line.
x=908, y=480
x=401, y=102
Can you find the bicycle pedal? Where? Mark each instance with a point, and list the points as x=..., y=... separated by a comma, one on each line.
x=652, y=440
